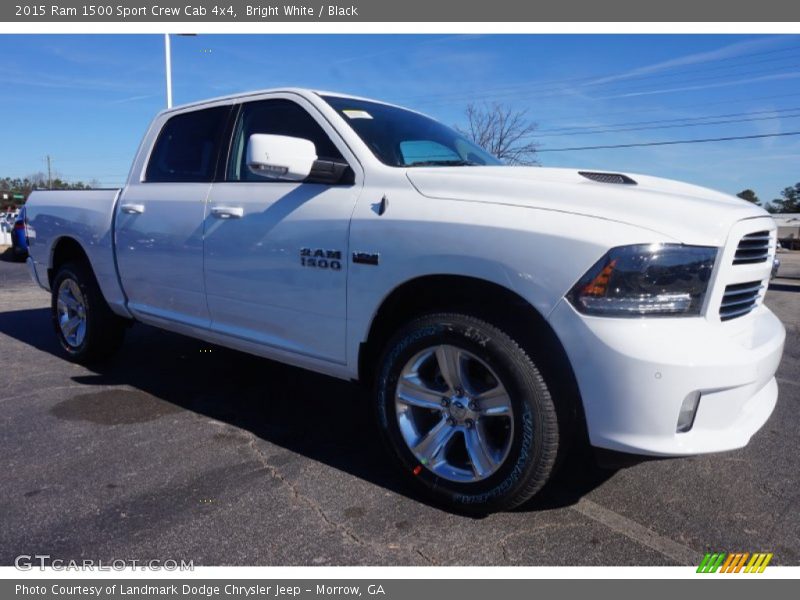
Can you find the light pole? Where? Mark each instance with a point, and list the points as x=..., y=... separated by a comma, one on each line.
x=168, y=64
x=168, y=59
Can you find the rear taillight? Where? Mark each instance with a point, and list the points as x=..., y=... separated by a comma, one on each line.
x=19, y=225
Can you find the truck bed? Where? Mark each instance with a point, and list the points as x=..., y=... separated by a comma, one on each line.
x=87, y=217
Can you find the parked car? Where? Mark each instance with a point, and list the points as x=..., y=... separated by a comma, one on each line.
x=6, y=221
x=496, y=312
x=19, y=239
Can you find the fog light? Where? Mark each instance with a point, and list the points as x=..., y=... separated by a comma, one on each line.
x=688, y=412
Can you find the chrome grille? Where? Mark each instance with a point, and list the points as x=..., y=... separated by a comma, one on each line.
x=739, y=299
x=753, y=248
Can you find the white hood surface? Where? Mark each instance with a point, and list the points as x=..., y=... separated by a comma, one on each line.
x=689, y=214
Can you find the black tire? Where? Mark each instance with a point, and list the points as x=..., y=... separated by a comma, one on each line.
x=534, y=436
x=104, y=331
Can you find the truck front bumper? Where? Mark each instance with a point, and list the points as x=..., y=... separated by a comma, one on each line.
x=634, y=376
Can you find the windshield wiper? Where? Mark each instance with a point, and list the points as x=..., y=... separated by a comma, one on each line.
x=443, y=163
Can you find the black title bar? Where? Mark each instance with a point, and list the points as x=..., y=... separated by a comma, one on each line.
x=496, y=11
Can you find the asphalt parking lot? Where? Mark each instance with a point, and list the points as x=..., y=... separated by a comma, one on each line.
x=178, y=450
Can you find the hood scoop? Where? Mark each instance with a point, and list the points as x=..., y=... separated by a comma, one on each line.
x=617, y=178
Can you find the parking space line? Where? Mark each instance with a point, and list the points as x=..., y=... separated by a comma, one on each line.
x=787, y=381
x=682, y=555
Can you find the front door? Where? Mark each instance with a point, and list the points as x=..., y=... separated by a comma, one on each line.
x=276, y=252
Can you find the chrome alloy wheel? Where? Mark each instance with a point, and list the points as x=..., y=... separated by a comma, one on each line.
x=454, y=414
x=71, y=308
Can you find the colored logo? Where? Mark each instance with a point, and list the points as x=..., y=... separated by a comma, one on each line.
x=734, y=562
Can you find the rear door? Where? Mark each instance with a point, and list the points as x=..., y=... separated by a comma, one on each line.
x=159, y=220
x=276, y=252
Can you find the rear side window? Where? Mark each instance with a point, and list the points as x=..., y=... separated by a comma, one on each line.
x=188, y=146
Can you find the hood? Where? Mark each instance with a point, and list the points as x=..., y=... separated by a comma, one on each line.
x=686, y=213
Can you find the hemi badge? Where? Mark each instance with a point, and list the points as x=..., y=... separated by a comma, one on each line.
x=366, y=258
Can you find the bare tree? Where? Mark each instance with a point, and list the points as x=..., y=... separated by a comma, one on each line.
x=502, y=131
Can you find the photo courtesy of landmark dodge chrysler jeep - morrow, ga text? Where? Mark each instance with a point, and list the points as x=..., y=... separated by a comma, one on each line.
x=495, y=311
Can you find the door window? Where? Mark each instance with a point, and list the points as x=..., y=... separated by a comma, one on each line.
x=188, y=147
x=275, y=117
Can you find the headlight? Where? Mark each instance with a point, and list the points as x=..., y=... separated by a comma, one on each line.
x=646, y=279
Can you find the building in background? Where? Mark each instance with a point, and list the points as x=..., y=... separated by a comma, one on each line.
x=788, y=229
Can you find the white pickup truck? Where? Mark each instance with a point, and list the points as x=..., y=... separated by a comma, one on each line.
x=495, y=311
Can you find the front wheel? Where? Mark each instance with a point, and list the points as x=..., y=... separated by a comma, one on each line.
x=467, y=413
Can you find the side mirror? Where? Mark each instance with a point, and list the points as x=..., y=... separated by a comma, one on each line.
x=280, y=156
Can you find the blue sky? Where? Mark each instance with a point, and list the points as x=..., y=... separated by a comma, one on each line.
x=87, y=99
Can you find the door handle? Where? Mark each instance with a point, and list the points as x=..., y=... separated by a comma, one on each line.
x=132, y=209
x=227, y=212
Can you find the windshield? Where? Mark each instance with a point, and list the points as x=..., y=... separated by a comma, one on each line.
x=401, y=138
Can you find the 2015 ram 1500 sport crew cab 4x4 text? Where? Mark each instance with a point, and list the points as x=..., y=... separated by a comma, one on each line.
x=494, y=310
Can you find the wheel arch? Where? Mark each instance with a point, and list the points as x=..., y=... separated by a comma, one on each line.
x=486, y=300
x=447, y=292
x=64, y=250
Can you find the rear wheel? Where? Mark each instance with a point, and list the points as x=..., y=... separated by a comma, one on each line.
x=86, y=328
x=467, y=413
